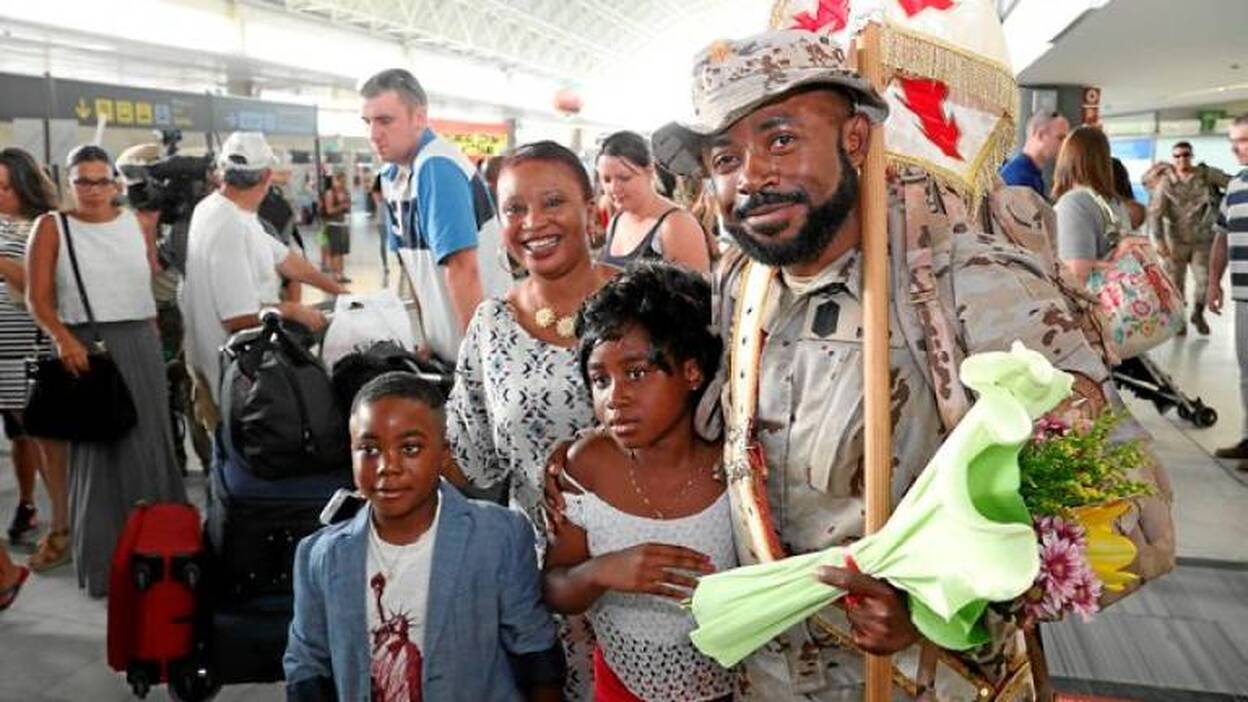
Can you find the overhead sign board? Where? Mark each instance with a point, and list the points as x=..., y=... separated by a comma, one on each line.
x=476, y=140
x=23, y=96
x=124, y=106
x=242, y=114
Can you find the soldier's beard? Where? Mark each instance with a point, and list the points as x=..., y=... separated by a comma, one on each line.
x=823, y=222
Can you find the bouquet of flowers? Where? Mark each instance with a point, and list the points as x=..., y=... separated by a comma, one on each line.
x=1074, y=483
x=982, y=525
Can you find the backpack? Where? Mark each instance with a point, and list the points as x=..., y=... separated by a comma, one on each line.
x=1015, y=224
x=277, y=404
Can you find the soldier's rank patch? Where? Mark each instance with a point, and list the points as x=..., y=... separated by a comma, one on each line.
x=827, y=315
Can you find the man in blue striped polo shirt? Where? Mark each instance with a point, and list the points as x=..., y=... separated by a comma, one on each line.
x=1231, y=245
x=437, y=209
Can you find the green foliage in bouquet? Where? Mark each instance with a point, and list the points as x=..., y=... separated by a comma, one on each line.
x=1065, y=468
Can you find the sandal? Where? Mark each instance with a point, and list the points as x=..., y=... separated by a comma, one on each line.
x=53, y=551
x=9, y=594
x=24, y=522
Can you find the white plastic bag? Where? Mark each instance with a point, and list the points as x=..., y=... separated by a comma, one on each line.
x=360, y=320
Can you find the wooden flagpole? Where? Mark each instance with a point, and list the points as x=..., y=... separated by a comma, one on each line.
x=878, y=439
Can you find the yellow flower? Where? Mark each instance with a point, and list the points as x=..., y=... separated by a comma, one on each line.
x=1108, y=552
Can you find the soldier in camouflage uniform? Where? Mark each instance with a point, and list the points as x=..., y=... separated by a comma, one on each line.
x=781, y=129
x=1185, y=198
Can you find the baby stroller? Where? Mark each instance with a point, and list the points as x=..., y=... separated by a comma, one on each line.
x=1147, y=381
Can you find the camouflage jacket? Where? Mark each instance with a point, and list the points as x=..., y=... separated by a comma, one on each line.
x=810, y=406
x=1190, y=206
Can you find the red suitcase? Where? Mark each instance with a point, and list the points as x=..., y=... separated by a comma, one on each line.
x=153, y=596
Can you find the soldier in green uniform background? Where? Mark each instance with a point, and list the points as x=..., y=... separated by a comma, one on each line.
x=1186, y=199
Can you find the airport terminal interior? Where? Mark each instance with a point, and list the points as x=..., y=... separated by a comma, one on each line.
x=352, y=261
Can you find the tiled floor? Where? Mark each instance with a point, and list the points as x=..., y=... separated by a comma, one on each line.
x=1185, y=638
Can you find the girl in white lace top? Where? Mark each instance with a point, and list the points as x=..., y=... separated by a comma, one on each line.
x=651, y=512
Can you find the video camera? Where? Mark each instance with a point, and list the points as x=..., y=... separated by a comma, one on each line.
x=174, y=184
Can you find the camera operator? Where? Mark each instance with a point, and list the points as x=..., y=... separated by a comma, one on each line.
x=233, y=268
x=162, y=204
x=151, y=201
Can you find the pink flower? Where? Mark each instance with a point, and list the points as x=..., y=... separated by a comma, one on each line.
x=1087, y=595
x=1061, y=565
x=1066, y=583
x=1111, y=296
x=1067, y=530
x=1050, y=427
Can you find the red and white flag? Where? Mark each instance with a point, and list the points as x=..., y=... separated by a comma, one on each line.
x=952, y=93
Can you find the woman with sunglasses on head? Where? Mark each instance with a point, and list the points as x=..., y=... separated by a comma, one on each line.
x=26, y=193
x=646, y=225
x=116, y=263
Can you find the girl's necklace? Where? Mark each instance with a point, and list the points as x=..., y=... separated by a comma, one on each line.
x=680, y=496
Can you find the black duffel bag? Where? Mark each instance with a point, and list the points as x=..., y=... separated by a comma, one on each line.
x=277, y=404
x=354, y=370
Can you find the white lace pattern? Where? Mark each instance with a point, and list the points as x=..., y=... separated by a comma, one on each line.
x=644, y=638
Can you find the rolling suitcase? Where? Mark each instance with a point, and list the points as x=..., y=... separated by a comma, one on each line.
x=154, y=599
x=254, y=526
x=249, y=639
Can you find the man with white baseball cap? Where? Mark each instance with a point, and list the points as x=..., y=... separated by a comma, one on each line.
x=234, y=268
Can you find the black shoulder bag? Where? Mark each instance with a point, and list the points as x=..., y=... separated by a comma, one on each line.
x=93, y=406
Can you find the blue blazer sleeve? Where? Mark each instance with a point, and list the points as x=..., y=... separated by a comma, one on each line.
x=309, y=675
x=447, y=214
x=526, y=628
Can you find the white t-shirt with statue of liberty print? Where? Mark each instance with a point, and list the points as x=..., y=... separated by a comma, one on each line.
x=398, y=594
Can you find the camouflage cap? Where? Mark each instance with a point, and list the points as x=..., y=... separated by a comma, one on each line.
x=732, y=78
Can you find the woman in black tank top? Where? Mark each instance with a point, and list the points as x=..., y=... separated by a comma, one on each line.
x=647, y=225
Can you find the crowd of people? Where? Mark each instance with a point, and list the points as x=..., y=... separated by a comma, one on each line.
x=591, y=375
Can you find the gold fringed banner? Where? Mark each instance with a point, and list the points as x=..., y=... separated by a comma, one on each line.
x=973, y=80
x=969, y=76
x=984, y=169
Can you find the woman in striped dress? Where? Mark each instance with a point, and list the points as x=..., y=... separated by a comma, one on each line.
x=26, y=193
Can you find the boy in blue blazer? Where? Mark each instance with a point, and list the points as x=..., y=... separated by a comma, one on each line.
x=423, y=595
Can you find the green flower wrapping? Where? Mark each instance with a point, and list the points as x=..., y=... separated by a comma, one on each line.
x=960, y=538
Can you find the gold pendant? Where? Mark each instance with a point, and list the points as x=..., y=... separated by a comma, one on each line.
x=565, y=326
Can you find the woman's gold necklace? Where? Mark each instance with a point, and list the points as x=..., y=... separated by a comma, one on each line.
x=545, y=317
x=565, y=325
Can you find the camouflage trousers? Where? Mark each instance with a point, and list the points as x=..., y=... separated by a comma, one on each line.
x=813, y=662
x=1196, y=256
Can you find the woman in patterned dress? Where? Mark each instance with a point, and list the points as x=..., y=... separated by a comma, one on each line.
x=518, y=390
x=26, y=193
